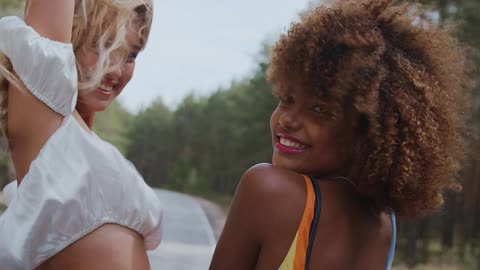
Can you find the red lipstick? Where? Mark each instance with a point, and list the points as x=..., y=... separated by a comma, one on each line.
x=288, y=144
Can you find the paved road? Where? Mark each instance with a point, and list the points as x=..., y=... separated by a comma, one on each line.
x=188, y=241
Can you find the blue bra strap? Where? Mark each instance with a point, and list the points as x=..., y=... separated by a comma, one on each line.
x=391, y=253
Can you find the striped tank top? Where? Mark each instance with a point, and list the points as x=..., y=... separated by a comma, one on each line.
x=298, y=256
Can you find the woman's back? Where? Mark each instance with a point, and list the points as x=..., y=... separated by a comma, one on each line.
x=370, y=102
x=347, y=235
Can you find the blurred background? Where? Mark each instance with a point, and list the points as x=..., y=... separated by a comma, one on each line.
x=196, y=114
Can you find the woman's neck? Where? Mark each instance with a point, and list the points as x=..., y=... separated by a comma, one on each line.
x=88, y=118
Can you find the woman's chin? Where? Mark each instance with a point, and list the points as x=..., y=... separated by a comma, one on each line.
x=94, y=106
x=100, y=106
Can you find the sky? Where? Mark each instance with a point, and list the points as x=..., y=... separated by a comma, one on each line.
x=197, y=46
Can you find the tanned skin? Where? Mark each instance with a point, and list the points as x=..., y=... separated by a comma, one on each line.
x=110, y=246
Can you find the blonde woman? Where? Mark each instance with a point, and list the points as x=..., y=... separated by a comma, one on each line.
x=79, y=204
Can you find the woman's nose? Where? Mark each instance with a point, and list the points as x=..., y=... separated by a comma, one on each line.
x=289, y=120
x=115, y=70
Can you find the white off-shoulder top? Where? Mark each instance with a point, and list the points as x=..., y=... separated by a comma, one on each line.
x=78, y=182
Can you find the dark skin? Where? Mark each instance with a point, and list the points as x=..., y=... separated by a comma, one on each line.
x=270, y=199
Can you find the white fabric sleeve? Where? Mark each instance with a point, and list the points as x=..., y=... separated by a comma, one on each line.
x=46, y=67
x=65, y=197
x=10, y=192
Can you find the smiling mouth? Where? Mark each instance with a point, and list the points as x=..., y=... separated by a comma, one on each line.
x=106, y=88
x=291, y=144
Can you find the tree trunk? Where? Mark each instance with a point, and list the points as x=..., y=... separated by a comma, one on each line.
x=448, y=221
x=411, y=246
x=425, y=240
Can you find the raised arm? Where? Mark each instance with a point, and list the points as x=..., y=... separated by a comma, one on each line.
x=52, y=19
x=40, y=50
x=43, y=60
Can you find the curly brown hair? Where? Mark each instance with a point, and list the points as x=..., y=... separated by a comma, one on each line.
x=405, y=78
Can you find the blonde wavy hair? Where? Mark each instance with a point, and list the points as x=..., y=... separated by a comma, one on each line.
x=99, y=25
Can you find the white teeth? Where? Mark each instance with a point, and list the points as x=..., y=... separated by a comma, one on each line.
x=290, y=143
x=106, y=88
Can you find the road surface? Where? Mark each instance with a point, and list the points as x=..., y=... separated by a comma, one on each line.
x=189, y=240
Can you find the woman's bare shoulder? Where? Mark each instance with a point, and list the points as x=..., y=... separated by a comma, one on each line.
x=108, y=247
x=274, y=191
x=268, y=201
x=272, y=181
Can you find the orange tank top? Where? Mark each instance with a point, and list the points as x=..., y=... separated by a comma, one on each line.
x=298, y=255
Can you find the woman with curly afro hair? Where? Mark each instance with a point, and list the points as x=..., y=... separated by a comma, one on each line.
x=368, y=127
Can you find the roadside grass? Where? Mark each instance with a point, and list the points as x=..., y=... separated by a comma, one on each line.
x=221, y=200
x=3, y=207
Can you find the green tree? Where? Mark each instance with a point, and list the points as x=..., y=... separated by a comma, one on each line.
x=11, y=7
x=151, y=143
x=112, y=124
x=211, y=140
x=457, y=226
